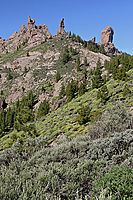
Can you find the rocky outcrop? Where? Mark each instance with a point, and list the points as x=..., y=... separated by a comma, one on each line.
x=107, y=41
x=61, y=30
x=110, y=49
x=29, y=34
x=30, y=24
x=107, y=35
x=22, y=29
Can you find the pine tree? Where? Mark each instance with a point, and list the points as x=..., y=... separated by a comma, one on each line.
x=121, y=74
x=85, y=44
x=66, y=56
x=84, y=115
x=97, y=80
x=9, y=118
x=103, y=94
x=71, y=90
x=2, y=123
x=69, y=34
x=22, y=117
x=82, y=88
x=79, y=39
x=78, y=64
x=43, y=109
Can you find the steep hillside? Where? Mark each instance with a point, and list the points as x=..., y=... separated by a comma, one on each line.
x=64, y=120
x=32, y=69
x=66, y=116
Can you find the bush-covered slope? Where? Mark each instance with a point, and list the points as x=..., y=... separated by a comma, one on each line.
x=69, y=144
x=65, y=121
x=74, y=169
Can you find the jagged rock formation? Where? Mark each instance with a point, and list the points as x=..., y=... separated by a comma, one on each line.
x=29, y=34
x=107, y=35
x=107, y=41
x=31, y=67
x=61, y=27
x=30, y=24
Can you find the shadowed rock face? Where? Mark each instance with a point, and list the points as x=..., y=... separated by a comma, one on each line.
x=107, y=35
x=61, y=27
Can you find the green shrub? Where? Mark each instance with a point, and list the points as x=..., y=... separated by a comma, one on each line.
x=118, y=183
x=84, y=115
x=68, y=170
x=115, y=119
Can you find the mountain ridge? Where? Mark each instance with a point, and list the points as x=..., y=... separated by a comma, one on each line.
x=32, y=35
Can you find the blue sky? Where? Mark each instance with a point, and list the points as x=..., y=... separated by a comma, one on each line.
x=84, y=17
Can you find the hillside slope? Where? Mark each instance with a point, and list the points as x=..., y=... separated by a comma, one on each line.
x=66, y=117
x=25, y=70
x=64, y=120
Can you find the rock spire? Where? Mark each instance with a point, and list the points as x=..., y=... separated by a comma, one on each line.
x=61, y=27
x=107, y=35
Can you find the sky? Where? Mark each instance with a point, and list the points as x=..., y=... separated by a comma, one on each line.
x=86, y=18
